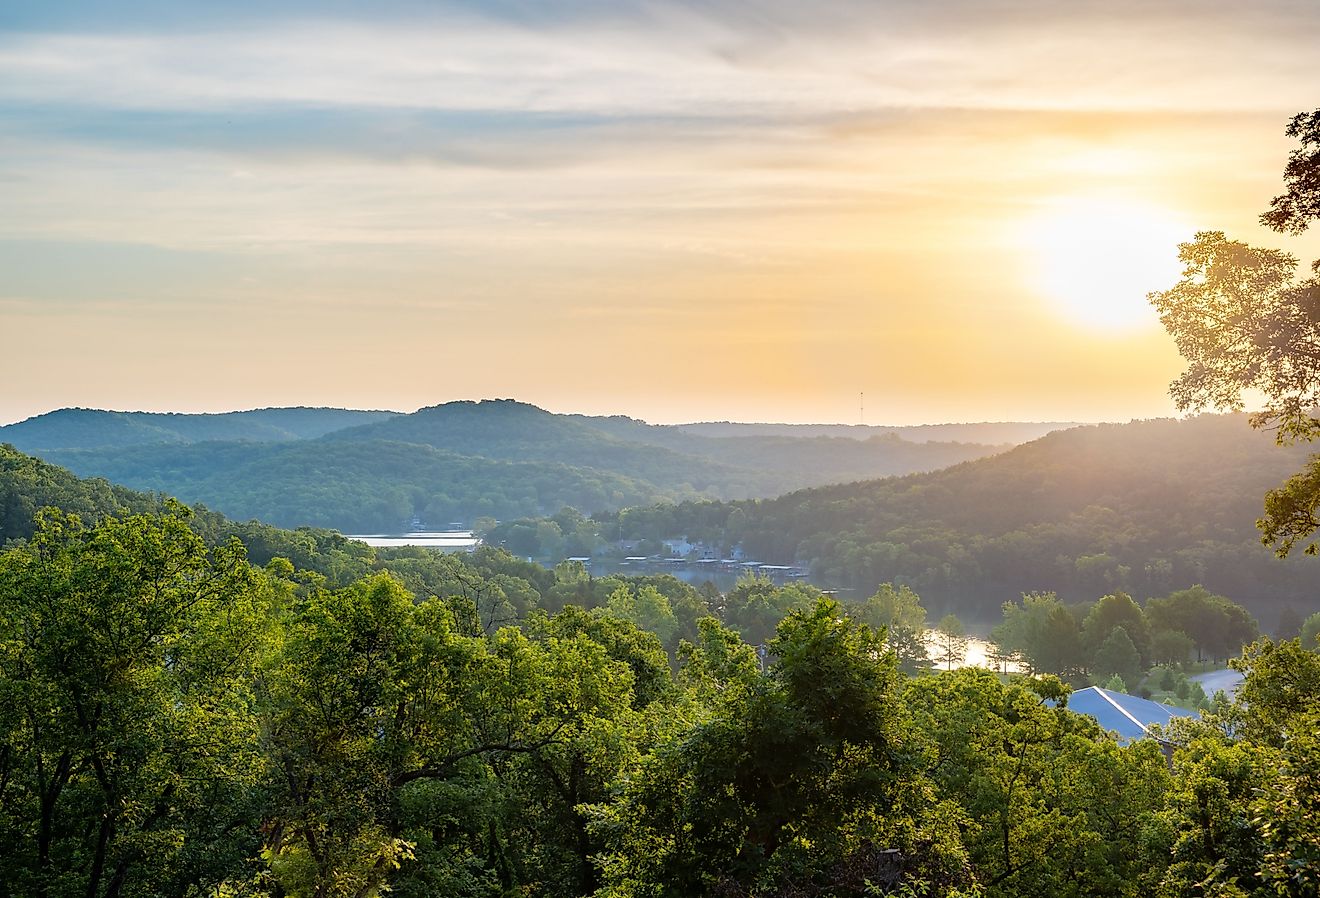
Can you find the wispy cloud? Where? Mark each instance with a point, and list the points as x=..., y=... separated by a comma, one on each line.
x=673, y=60
x=693, y=192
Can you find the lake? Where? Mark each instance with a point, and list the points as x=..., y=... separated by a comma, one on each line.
x=445, y=540
x=978, y=654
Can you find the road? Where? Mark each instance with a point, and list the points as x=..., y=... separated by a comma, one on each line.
x=1215, y=680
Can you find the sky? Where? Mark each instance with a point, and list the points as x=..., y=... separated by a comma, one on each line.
x=886, y=211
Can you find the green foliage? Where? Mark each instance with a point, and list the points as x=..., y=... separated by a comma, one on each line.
x=1245, y=323
x=1242, y=815
x=1215, y=849
x=129, y=753
x=1310, y=633
x=899, y=614
x=1282, y=684
x=950, y=641
x=1054, y=807
x=28, y=485
x=1287, y=813
x=369, y=487
x=1171, y=686
x=623, y=640
x=1170, y=646
x=755, y=605
x=1114, y=612
x=803, y=779
x=1043, y=633
x=646, y=608
x=717, y=662
x=373, y=471
x=1118, y=656
x=1217, y=626
x=175, y=721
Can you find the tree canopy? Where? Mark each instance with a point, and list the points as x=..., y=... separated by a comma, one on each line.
x=178, y=721
x=1244, y=320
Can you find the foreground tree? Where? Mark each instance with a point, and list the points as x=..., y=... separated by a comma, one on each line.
x=1244, y=812
x=129, y=751
x=1055, y=807
x=416, y=757
x=803, y=781
x=1243, y=321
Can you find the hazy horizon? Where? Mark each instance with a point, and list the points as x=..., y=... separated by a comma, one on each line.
x=868, y=423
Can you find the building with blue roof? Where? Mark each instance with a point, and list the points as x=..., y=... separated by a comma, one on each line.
x=1129, y=716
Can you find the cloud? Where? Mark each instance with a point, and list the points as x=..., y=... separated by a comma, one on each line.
x=416, y=177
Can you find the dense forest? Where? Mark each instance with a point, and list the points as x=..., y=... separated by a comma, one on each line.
x=376, y=471
x=196, y=707
x=1145, y=508
x=372, y=486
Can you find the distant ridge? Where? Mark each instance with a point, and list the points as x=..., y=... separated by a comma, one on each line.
x=452, y=462
x=83, y=428
x=993, y=432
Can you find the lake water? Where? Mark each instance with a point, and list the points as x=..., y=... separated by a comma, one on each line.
x=978, y=654
x=445, y=540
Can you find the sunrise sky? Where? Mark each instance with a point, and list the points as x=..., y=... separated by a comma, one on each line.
x=676, y=211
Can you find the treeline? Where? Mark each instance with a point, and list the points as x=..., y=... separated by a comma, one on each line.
x=1143, y=508
x=85, y=428
x=177, y=721
x=1115, y=635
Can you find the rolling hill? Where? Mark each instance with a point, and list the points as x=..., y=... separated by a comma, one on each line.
x=452, y=462
x=82, y=428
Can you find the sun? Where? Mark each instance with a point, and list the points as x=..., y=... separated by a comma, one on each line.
x=1095, y=259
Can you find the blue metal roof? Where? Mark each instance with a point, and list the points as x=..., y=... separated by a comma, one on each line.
x=1126, y=715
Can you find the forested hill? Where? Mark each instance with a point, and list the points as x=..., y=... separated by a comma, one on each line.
x=1146, y=507
x=29, y=484
x=664, y=455
x=515, y=431
x=82, y=428
x=455, y=462
x=373, y=486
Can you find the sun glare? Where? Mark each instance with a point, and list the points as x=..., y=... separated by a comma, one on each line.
x=1095, y=259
